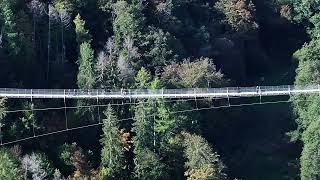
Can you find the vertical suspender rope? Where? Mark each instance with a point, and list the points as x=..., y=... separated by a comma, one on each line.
x=1, y=136
x=154, y=133
x=228, y=97
x=32, y=114
x=260, y=93
x=1, y=133
x=162, y=93
x=98, y=109
x=195, y=98
x=65, y=108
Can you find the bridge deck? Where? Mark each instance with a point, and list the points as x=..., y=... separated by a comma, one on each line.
x=159, y=93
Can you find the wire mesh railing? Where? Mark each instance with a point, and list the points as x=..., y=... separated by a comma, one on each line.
x=156, y=93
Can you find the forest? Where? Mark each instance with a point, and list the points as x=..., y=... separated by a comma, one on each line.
x=159, y=44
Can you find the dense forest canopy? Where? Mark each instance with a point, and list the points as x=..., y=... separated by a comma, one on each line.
x=157, y=44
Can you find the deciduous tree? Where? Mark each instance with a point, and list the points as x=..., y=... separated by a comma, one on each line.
x=202, y=162
x=239, y=14
x=199, y=73
x=37, y=166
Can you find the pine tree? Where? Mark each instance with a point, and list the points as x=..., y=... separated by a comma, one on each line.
x=143, y=127
x=129, y=21
x=148, y=166
x=147, y=163
x=9, y=28
x=143, y=79
x=86, y=78
x=9, y=165
x=82, y=34
x=112, y=154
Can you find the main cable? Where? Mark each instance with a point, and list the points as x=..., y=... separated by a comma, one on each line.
x=102, y=105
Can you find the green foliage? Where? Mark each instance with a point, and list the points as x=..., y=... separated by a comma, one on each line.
x=128, y=22
x=202, y=162
x=2, y=111
x=112, y=154
x=82, y=34
x=148, y=166
x=306, y=108
x=156, y=84
x=7, y=19
x=66, y=151
x=148, y=42
x=143, y=79
x=165, y=123
x=9, y=165
x=106, y=5
x=310, y=160
x=143, y=127
x=75, y=158
x=65, y=5
x=86, y=78
x=28, y=119
x=309, y=67
x=161, y=45
x=306, y=13
x=307, y=73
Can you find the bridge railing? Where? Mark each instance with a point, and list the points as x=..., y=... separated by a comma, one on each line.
x=118, y=93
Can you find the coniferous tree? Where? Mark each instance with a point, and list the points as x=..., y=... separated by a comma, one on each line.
x=86, y=78
x=9, y=165
x=112, y=154
x=82, y=34
x=129, y=21
x=145, y=159
x=143, y=79
x=9, y=30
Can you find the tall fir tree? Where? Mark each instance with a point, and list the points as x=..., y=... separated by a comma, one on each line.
x=9, y=30
x=81, y=32
x=112, y=154
x=86, y=77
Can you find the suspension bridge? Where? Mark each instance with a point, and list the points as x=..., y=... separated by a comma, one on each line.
x=172, y=95
x=159, y=93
